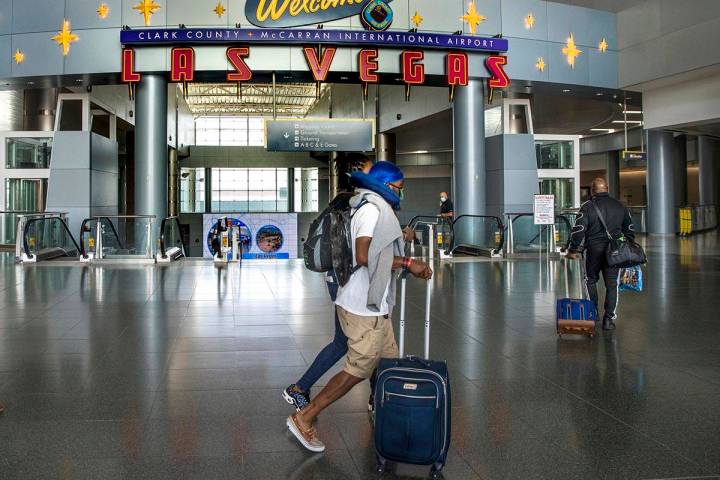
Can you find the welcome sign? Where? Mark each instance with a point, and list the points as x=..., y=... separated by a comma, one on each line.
x=297, y=13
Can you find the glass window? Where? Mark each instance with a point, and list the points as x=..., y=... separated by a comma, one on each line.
x=562, y=188
x=236, y=131
x=250, y=190
x=192, y=190
x=25, y=194
x=71, y=113
x=554, y=154
x=493, y=121
x=28, y=152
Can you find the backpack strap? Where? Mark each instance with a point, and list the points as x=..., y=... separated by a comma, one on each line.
x=362, y=203
x=601, y=218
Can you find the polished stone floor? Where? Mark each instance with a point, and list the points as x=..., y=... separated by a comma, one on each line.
x=176, y=372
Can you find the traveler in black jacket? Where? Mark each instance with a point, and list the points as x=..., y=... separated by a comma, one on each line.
x=590, y=233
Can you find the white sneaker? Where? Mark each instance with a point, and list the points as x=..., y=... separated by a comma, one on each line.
x=307, y=437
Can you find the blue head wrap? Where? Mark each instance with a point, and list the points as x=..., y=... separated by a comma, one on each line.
x=380, y=174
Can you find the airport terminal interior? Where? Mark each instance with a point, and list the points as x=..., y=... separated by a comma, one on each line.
x=165, y=165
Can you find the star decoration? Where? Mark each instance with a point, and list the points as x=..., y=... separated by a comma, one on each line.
x=529, y=21
x=571, y=51
x=416, y=19
x=147, y=8
x=103, y=11
x=472, y=18
x=540, y=65
x=65, y=37
x=219, y=9
x=18, y=56
x=603, y=45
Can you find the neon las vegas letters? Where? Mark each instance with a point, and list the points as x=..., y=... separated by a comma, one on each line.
x=182, y=66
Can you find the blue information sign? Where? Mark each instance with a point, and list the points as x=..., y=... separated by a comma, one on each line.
x=318, y=135
x=296, y=36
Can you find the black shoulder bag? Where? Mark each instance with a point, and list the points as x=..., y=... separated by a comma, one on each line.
x=621, y=252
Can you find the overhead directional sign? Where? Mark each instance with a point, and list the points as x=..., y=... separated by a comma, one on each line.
x=319, y=135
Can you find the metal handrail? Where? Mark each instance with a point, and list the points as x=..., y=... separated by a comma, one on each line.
x=163, y=252
x=499, y=221
x=97, y=219
x=26, y=247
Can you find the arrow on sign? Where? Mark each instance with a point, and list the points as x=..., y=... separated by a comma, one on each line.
x=286, y=135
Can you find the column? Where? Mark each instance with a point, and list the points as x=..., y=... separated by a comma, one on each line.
x=469, y=149
x=173, y=183
x=708, y=182
x=660, y=183
x=151, y=147
x=385, y=147
x=468, y=182
x=680, y=156
x=613, y=173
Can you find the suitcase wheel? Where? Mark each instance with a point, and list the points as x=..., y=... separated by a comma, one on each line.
x=435, y=472
x=380, y=465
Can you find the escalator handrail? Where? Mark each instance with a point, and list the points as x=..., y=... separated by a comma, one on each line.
x=499, y=221
x=163, y=253
x=26, y=247
x=416, y=218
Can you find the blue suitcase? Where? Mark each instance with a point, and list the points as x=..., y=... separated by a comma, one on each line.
x=576, y=315
x=412, y=404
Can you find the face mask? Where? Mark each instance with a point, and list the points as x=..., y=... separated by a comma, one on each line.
x=443, y=199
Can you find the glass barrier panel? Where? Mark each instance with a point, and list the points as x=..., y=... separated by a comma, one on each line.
x=8, y=227
x=125, y=237
x=563, y=229
x=482, y=232
x=528, y=237
x=171, y=234
x=49, y=238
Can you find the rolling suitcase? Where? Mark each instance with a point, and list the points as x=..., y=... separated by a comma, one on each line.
x=412, y=404
x=576, y=315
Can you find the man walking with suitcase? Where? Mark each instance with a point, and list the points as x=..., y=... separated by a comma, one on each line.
x=590, y=231
x=365, y=302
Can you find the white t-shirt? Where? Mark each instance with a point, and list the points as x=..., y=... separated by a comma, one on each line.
x=354, y=295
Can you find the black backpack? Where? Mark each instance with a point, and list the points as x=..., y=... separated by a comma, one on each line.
x=329, y=241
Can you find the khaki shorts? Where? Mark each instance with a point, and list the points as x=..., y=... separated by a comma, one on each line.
x=369, y=339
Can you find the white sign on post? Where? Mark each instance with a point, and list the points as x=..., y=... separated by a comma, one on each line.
x=544, y=209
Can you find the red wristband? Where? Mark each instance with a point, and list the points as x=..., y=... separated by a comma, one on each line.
x=407, y=261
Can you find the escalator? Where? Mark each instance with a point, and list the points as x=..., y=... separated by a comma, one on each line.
x=46, y=237
x=172, y=244
x=429, y=231
x=477, y=236
x=88, y=236
x=118, y=239
x=525, y=239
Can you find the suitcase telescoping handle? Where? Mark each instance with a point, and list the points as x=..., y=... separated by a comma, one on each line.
x=428, y=290
x=584, y=294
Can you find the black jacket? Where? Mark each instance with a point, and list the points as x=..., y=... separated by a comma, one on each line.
x=589, y=229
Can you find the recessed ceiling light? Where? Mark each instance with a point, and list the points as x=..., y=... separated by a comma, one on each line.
x=599, y=94
x=604, y=130
x=632, y=112
x=566, y=90
x=31, y=83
